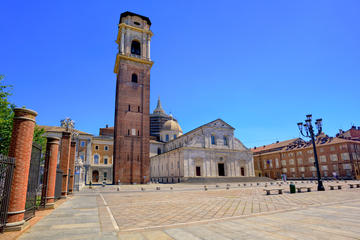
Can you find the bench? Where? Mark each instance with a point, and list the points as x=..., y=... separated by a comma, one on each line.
x=299, y=189
x=332, y=187
x=279, y=190
x=354, y=184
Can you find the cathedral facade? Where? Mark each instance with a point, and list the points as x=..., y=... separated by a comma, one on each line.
x=208, y=151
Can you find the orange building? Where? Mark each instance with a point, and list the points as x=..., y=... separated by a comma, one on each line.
x=338, y=157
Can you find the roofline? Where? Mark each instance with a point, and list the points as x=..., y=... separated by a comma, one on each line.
x=198, y=128
x=127, y=13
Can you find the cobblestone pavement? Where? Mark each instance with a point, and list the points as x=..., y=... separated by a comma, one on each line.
x=190, y=212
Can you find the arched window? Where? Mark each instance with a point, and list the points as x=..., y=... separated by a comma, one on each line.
x=96, y=159
x=105, y=160
x=134, y=78
x=135, y=47
x=167, y=137
x=159, y=151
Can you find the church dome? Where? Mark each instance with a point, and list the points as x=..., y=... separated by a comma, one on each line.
x=171, y=125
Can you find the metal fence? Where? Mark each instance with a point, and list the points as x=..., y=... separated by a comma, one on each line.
x=6, y=172
x=33, y=191
x=58, y=183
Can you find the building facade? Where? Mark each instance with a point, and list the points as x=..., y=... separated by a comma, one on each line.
x=210, y=150
x=339, y=157
x=101, y=165
x=131, y=125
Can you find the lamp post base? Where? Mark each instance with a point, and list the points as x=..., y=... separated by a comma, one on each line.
x=320, y=186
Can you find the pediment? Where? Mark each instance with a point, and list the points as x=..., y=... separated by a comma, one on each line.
x=219, y=123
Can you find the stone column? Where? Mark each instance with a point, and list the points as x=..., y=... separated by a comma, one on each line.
x=72, y=166
x=20, y=149
x=52, y=149
x=148, y=48
x=64, y=161
x=122, y=40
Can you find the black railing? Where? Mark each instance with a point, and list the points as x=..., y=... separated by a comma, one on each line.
x=58, y=183
x=6, y=172
x=33, y=191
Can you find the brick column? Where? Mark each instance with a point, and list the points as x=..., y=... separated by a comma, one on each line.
x=72, y=166
x=20, y=149
x=64, y=161
x=52, y=149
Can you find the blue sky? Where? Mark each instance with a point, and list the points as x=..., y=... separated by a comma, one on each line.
x=259, y=65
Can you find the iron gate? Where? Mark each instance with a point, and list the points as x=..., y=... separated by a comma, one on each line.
x=58, y=183
x=33, y=182
x=6, y=172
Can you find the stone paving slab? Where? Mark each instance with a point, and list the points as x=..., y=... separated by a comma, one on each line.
x=237, y=213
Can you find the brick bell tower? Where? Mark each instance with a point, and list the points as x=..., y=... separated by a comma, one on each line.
x=132, y=67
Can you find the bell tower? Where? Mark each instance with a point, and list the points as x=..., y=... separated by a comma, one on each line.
x=132, y=67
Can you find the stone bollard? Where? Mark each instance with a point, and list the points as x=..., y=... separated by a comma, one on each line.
x=227, y=187
x=118, y=188
x=244, y=184
x=171, y=188
x=205, y=188
x=257, y=184
x=157, y=188
x=20, y=149
x=217, y=186
x=142, y=189
x=239, y=185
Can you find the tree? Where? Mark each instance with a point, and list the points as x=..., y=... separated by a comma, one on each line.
x=6, y=120
x=6, y=116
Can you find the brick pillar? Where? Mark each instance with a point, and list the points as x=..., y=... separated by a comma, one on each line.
x=20, y=149
x=52, y=149
x=72, y=166
x=64, y=161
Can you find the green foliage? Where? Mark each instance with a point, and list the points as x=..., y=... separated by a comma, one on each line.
x=39, y=137
x=6, y=116
x=6, y=120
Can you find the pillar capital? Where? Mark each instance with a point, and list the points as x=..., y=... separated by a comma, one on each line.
x=25, y=114
x=66, y=134
x=53, y=140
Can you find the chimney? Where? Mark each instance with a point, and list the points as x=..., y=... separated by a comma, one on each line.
x=107, y=126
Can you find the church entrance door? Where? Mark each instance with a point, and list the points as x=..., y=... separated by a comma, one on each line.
x=198, y=171
x=221, y=169
x=95, y=176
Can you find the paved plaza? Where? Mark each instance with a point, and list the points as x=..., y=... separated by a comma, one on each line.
x=185, y=211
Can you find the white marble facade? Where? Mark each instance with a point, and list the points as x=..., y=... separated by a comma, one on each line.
x=210, y=150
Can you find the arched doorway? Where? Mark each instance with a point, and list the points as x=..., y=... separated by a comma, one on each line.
x=95, y=176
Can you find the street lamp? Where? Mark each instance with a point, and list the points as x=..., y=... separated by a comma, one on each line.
x=309, y=132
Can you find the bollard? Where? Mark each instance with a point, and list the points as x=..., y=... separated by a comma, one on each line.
x=292, y=188
x=142, y=189
x=118, y=189
x=171, y=188
x=217, y=186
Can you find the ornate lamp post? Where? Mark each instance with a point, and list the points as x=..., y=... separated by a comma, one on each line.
x=309, y=132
